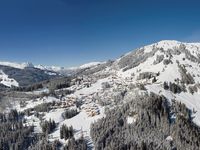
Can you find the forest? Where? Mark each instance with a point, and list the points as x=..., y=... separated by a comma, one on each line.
x=157, y=124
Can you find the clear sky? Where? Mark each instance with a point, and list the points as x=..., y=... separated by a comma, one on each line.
x=72, y=32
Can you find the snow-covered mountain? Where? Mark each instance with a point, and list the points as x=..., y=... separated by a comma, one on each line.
x=49, y=68
x=116, y=95
x=23, y=74
x=13, y=74
x=174, y=63
x=68, y=69
x=166, y=62
x=17, y=65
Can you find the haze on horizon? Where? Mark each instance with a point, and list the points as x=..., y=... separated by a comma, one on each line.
x=73, y=32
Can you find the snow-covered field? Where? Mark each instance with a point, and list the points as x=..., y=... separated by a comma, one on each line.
x=81, y=124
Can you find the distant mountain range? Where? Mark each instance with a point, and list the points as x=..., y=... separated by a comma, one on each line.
x=43, y=67
x=24, y=74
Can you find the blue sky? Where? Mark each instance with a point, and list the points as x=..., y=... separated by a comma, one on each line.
x=72, y=32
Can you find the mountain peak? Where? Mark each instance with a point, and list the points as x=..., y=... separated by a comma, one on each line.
x=175, y=43
x=169, y=42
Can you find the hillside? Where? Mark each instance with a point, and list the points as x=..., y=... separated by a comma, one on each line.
x=164, y=63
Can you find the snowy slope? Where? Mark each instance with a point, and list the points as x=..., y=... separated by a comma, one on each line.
x=192, y=101
x=167, y=72
x=5, y=80
x=184, y=54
